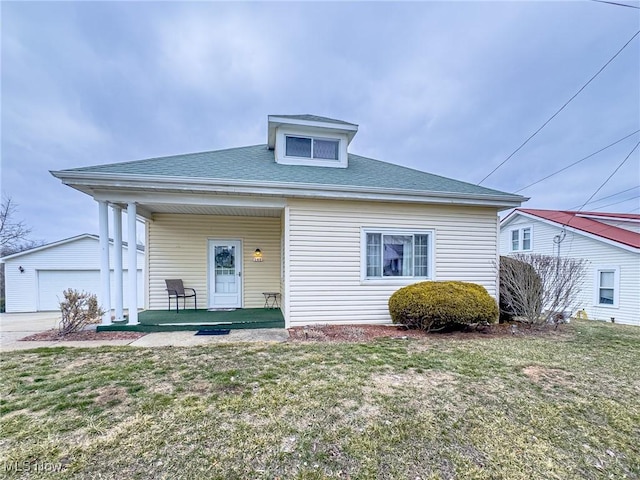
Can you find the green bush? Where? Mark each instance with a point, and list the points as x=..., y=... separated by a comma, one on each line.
x=436, y=305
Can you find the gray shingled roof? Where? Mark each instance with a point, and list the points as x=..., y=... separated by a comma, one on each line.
x=314, y=118
x=257, y=164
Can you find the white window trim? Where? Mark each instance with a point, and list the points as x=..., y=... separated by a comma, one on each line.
x=313, y=139
x=307, y=132
x=520, y=228
x=616, y=285
x=365, y=280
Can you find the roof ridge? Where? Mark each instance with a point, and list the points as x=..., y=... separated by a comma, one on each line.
x=587, y=225
x=619, y=215
x=313, y=118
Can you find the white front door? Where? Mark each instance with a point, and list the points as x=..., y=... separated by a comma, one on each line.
x=225, y=274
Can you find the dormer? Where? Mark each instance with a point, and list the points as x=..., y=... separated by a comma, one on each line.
x=310, y=140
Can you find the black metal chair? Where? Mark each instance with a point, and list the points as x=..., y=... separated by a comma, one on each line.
x=176, y=289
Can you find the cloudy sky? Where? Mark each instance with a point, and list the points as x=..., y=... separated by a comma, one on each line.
x=452, y=88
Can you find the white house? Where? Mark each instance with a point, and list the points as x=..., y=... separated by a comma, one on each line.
x=610, y=242
x=332, y=233
x=36, y=278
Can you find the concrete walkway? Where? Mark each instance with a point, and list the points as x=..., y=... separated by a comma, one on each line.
x=14, y=326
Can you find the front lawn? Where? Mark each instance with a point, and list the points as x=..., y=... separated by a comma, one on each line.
x=563, y=406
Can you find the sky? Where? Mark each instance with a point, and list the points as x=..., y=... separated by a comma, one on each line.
x=451, y=88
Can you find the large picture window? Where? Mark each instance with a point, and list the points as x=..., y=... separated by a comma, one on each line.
x=391, y=254
x=308, y=147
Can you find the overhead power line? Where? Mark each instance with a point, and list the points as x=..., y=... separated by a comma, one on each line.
x=616, y=4
x=597, y=190
x=609, y=177
x=616, y=203
x=577, y=162
x=608, y=196
x=560, y=109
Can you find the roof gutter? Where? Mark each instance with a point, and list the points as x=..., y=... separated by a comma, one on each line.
x=87, y=182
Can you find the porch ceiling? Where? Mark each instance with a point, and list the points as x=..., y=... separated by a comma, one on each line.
x=213, y=210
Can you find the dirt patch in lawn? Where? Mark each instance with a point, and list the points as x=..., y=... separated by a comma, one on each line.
x=84, y=335
x=350, y=333
x=109, y=396
x=363, y=333
x=545, y=376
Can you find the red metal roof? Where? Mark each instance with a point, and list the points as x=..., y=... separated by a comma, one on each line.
x=585, y=222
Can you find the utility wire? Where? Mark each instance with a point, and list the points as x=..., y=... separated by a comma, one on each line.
x=609, y=196
x=616, y=203
x=597, y=190
x=609, y=177
x=576, y=162
x=616, y=3
x=561, y=108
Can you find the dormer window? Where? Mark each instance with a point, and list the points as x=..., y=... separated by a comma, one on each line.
x=310, y=140
x=310, y=147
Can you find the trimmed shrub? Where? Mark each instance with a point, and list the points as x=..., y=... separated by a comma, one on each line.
x=437, y=305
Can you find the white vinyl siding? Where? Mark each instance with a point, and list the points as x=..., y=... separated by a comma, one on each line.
x=326, y=255
x=63, y=266
x=597, y=253
x=177, y=248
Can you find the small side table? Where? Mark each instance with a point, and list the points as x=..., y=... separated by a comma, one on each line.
x=271, y=299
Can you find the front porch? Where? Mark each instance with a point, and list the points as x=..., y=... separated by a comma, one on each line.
x=170, y=321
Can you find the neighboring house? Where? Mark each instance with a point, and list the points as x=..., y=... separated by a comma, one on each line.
x=335, y=234
x=610, y=242
x=36, y=278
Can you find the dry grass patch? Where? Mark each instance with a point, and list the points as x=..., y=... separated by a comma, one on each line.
x=387, y=384
x=547, y=376
x=110, y=396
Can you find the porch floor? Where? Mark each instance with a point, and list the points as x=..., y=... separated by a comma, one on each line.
x=167, y=321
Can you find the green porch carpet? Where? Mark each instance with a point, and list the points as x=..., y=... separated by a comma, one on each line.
x=167, y=321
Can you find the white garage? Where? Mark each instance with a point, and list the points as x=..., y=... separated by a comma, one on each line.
x=36, y=278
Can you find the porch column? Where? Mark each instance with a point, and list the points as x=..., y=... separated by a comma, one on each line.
x=132, y=263
x=117, y=261
x=105, y=273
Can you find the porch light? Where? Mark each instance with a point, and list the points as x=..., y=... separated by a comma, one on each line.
x=257, y=255
x=21, y=269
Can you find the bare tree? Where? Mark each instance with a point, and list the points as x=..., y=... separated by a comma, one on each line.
x=540, y=288
x=13, y=233
x=13, y=238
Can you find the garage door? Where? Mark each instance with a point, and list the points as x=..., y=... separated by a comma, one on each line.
x=51, y=284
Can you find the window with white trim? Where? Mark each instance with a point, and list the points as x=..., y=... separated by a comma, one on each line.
x=397, y=254
x=607, y=286
x=521, y=239
x=312, y=147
